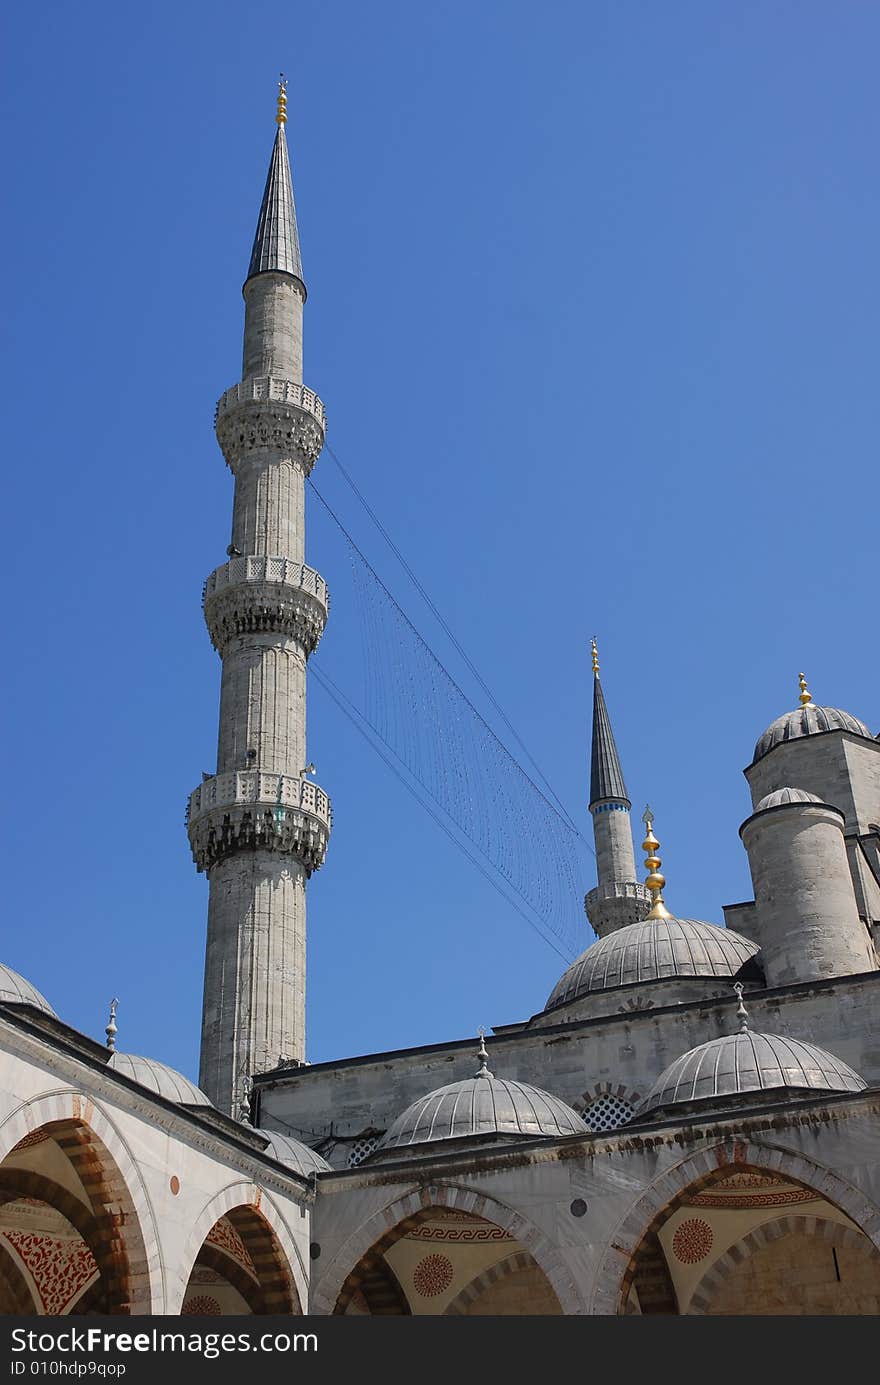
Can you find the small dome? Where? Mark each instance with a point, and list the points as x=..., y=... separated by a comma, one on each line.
x=782, y=796
x=807, y=721
x=159, y=1078
x=748, y=1062
x=15, y=990
x=294, y=1154
x=652, y=950
x=482, y=1105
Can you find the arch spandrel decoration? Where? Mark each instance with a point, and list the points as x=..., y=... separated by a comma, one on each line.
x=275, y=1255
x=386, y=1225
x=660, y=1198
x=127, y=1246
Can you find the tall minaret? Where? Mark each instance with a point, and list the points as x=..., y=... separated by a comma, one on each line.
x=619, y=898
x=259, y=826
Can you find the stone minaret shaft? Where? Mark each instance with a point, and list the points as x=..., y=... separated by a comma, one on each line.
x=619, y=898
x=259, y=826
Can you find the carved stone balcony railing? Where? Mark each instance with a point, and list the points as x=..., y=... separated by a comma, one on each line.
x=267, y=415
x=248, y=810
x=616, y=905
x=258, y=593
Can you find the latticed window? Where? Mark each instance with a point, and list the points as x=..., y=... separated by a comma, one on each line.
x=607, y=1112
x=361, y=1148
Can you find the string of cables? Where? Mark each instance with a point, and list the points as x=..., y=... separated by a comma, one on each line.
x=442, y=750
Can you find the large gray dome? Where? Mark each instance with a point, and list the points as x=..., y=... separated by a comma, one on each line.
x=294, y=1154
x=159, y=1078
x=482, y=1105
x=15, y=990
x=807, y=721
x=748, y=1062
x=652, y=950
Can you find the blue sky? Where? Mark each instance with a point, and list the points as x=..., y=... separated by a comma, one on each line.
x=592, y=306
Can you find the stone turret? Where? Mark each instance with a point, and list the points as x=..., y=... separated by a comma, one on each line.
x=812, y=844
x=619, y=898
x=259, y=826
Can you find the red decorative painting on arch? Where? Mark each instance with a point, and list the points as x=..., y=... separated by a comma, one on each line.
x=60, y=1269
x=692, y=1241
x=201, y=1305
x=224, y=1235
x=432, y=1275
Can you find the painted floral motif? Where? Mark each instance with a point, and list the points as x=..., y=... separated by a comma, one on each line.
x=432, y=1275
x=201, y=1305
x=60, y=1269
x=692, y=1241
x=224, y=1235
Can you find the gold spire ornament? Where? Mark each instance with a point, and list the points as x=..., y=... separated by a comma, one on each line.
x=595, y=657
x=654, y=882
x=281, y=113
x=804, y=695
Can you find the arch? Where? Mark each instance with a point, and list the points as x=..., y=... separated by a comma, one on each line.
x=386, y=1226
x=834, y=1233
x=15, y=1296
x=514, y=1264
x=268, y=1242
x=112, y=1180
x=659, y=1199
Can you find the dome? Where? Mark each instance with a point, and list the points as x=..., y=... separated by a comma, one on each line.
x=159, y=1078
x=15, y=990
x=293, y=1153
x=652, y=950
x=748, y=1062
x=807, y=721
x=782, y=796
x=482, y=1105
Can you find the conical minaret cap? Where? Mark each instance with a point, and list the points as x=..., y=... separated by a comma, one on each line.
x=276, y=244
x=606, y=775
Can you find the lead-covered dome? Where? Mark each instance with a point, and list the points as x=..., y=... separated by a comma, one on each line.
x=293, y=1153
x=159, y=1078
x=16, y=990
x=653, y=950
x=748, y=1062
x=808, y=720
x=482, y=1105
x=780, y=798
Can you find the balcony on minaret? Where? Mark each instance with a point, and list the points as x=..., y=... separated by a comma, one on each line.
x=251, y=810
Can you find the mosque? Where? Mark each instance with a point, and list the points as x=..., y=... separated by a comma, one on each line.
x=690, y=1124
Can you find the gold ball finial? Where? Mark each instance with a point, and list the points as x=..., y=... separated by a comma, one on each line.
x=804, y=694
x=594, y=652
x=281, y=113
x=654, y=881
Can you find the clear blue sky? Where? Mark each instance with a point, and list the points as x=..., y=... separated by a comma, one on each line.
x=593, y=306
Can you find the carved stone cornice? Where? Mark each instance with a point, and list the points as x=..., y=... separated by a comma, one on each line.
x=247, y=810
x=254, y=594
x=265, y=415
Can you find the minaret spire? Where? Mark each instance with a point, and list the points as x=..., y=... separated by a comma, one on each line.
x=259, y=826
x=619, y=898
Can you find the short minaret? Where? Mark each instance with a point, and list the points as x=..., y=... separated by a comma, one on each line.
x=619, y=898
x=259, y=826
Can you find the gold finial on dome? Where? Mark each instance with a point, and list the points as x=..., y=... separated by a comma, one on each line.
x=654, y=882
x=595, y=657
x=281, y=113
x=804, y=695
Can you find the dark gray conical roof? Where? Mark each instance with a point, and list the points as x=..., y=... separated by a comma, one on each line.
x=276, y=244
x=606, y=776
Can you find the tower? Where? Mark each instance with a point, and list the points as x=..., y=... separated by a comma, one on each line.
x=259, y=826
x=619, y=898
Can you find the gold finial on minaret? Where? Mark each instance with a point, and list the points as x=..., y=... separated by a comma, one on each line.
x=805, y=696
x=654, y=882
x=595, y=656
x=281, y=113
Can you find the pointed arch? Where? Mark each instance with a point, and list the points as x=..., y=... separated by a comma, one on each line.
x=336, y=1287
x=129, y=1249
x=267, y=1239
x=833, y=1233
x=660, y=1198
